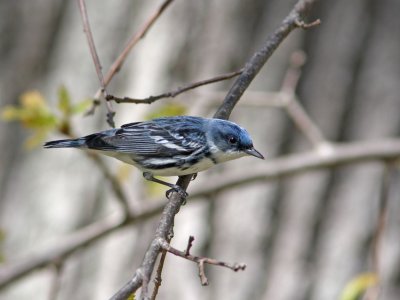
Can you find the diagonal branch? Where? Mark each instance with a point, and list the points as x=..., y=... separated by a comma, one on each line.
x=92, y=47
x=165, y=225
x=257, y=61
x=117, y=64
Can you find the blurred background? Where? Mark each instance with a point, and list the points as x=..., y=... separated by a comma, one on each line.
x=303, y=237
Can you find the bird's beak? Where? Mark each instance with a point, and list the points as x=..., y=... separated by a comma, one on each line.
x=254, y=152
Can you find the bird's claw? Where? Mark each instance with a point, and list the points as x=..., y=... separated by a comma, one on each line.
x=177, y=189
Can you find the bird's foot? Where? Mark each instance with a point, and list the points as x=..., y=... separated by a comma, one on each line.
x=177, y=189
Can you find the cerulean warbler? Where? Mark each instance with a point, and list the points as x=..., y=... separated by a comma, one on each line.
x=170, y=146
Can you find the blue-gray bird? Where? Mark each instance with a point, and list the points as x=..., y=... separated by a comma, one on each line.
x=170, y=146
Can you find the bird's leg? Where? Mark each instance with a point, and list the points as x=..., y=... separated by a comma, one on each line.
x=174, y=187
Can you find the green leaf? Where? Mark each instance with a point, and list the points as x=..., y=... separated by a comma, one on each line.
x=131, y=297
x=10, y=113
x=358, y=286
x=33, y=113
x=36, y=139
x=2, y=238
x=155, y=189
x=64, y=101
x=82, y=106
x=168, y=110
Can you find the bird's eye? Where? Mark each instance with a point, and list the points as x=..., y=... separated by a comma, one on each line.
x=232, y=140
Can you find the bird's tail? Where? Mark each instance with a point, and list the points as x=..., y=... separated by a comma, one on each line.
x=68, y=143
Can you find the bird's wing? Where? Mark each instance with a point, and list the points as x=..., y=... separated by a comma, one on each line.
x=161, y=137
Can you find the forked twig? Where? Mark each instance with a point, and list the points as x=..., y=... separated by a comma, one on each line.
x=201, y=261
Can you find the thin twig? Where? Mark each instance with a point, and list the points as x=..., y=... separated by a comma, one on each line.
x=189, y=245
x=305, y=124
x=56, y=280
x=92, y=47
x=160, y=267
x=202, y=273
x=117, y=64
x=293, y=73
x=304, y=25
x=115, y=184
x=293, y=107
x=373, y=292
x=382, y=216
x=96, y=60
x=158, y=277
x=201, y=261
x=175, y=92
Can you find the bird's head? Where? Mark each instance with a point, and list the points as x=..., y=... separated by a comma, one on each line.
x=231, y=141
